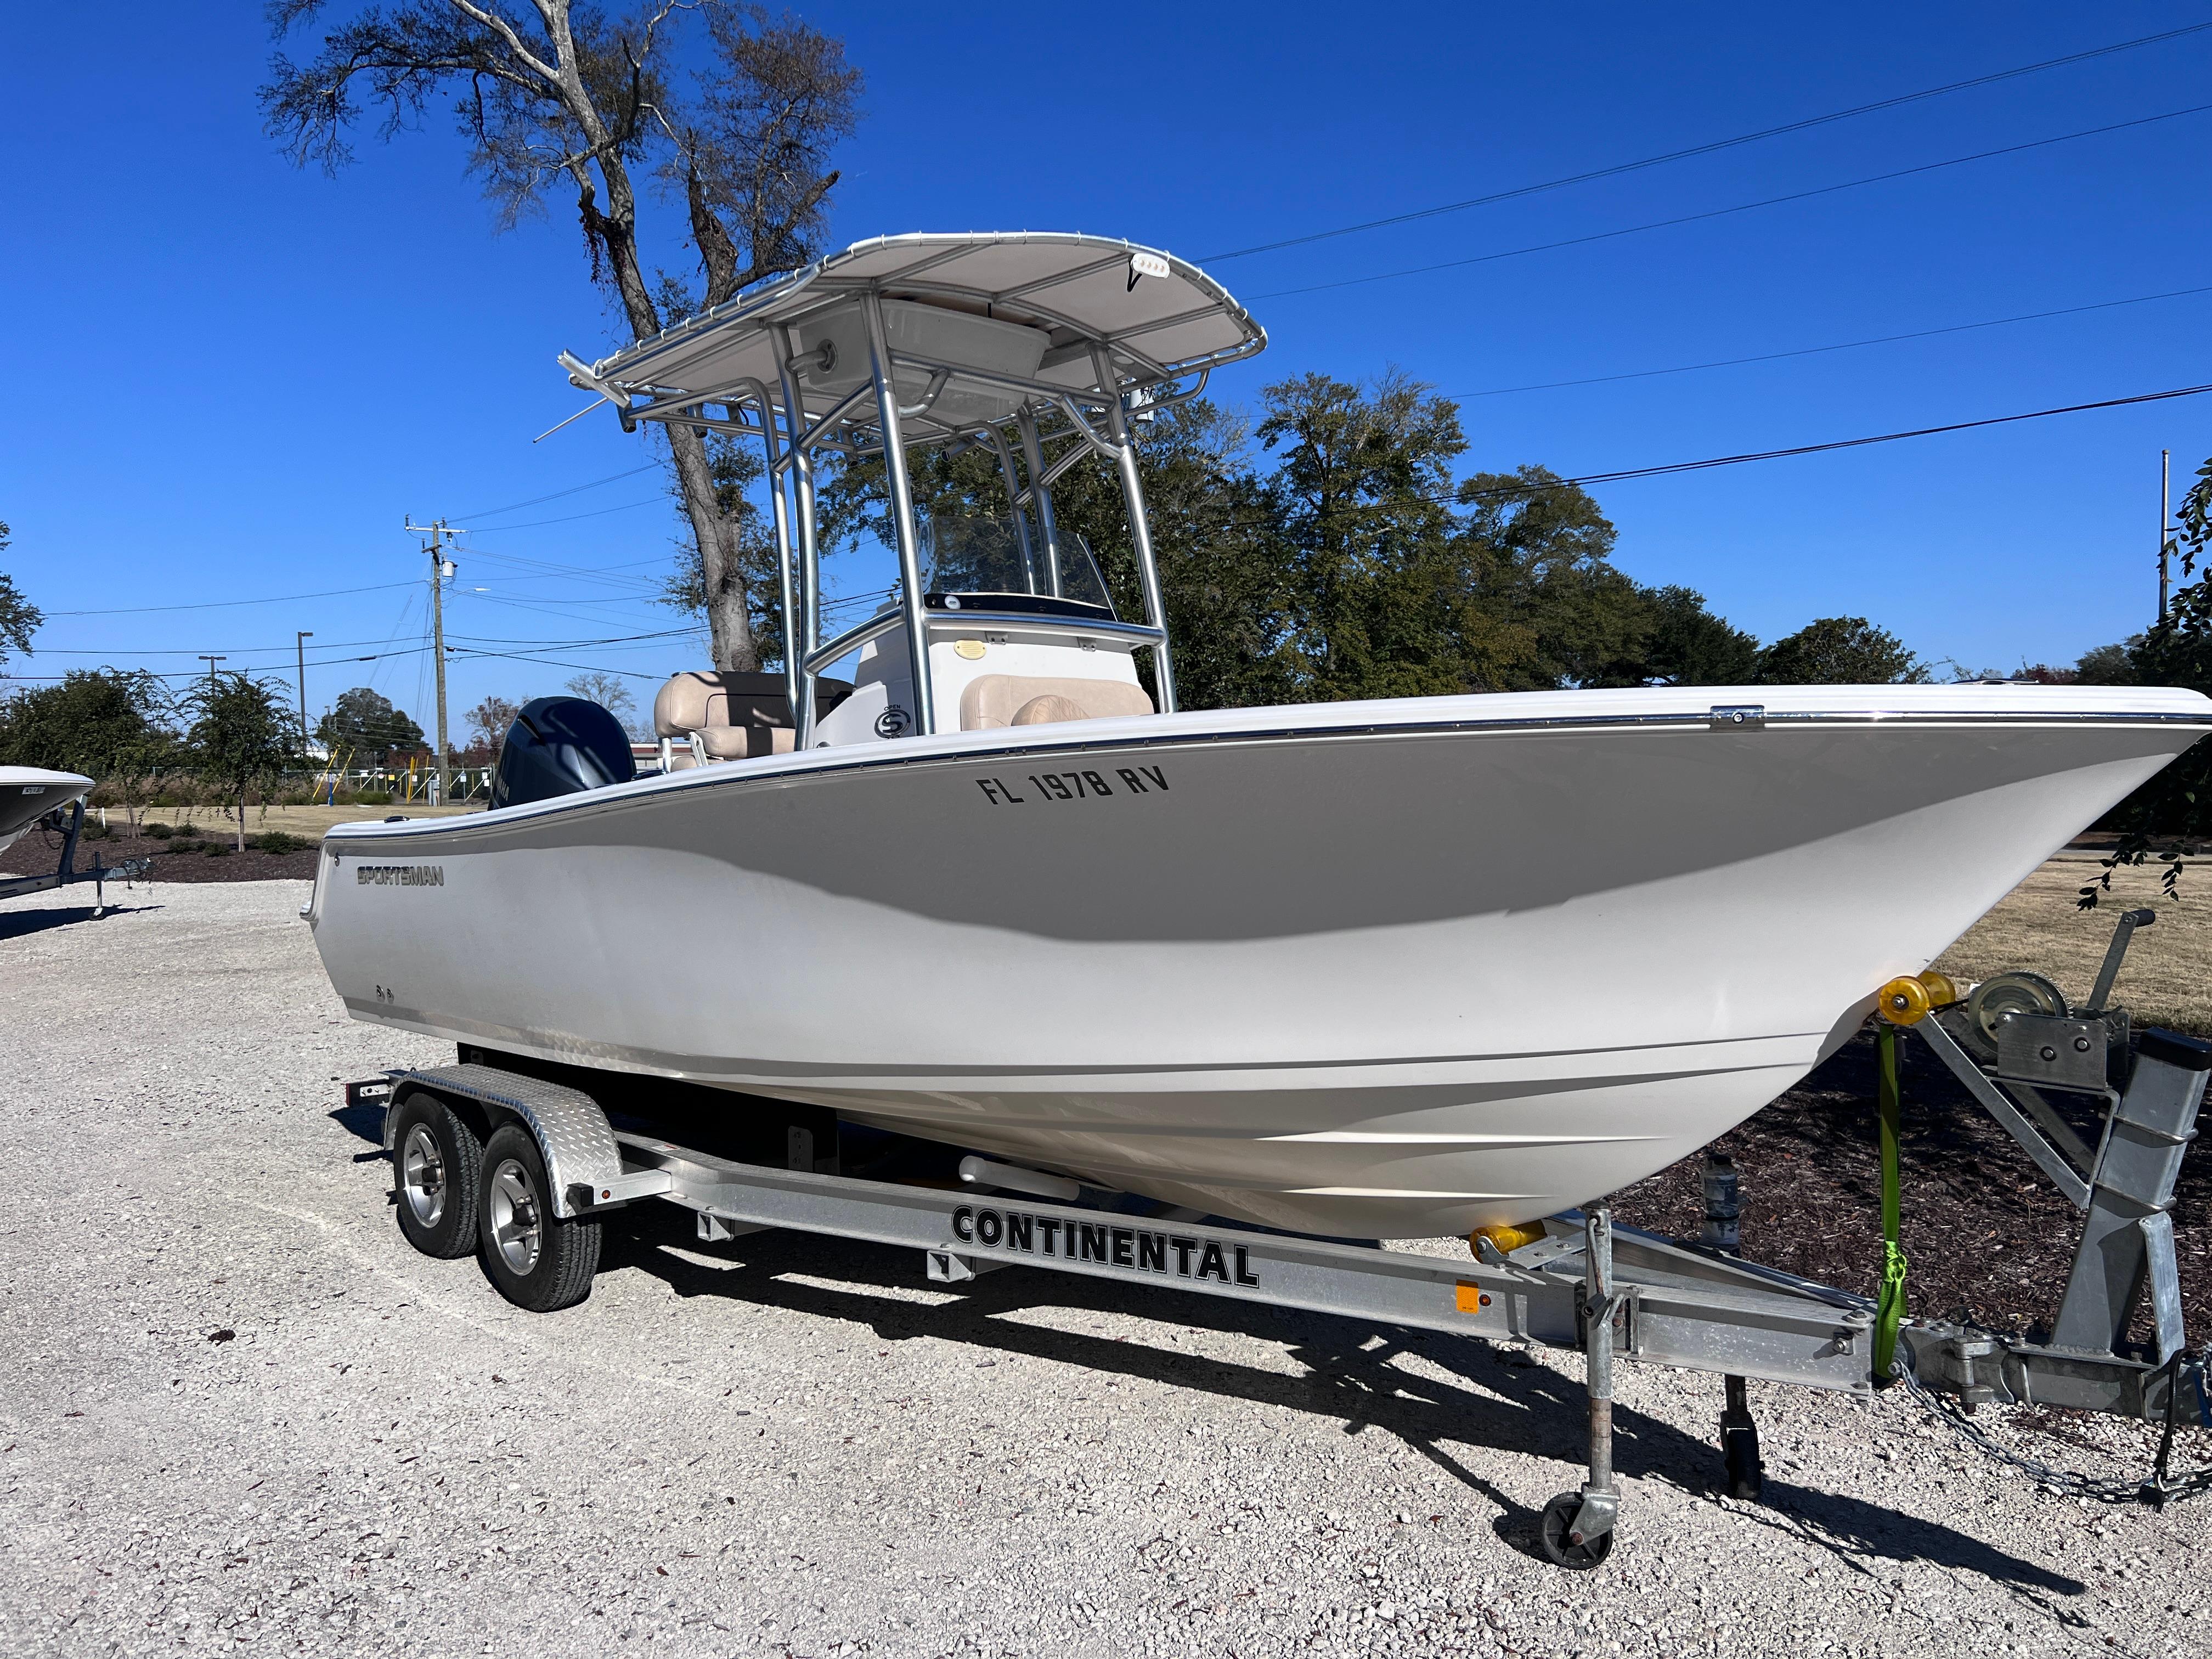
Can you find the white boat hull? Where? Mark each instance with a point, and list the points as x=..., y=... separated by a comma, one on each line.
x=27, y=793
x=1384, y=969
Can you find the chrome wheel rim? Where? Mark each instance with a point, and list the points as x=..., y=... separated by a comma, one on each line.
x=517, y=1229
x=423, y=1176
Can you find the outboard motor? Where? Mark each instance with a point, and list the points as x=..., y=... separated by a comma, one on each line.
x=558, y=746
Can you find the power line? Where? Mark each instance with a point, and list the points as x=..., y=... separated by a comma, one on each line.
x=222, y=604
x=573, y=489
x=1741, y=207
x=1840, y=443
x=534, y=524
x=1702, y=150
x=1847, y=345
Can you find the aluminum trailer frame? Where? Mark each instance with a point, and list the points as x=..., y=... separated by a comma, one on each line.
x=1616, y=1293
x=66, y=874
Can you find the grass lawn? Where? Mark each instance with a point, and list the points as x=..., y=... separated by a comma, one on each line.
x=2168, y=980
x=297, y=820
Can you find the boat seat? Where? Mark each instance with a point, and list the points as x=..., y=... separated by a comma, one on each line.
x=991, y=701
x=703, y=715
x=720, y=743
x=702, y=700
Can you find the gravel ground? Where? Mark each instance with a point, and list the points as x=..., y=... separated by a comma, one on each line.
x=239, y=1410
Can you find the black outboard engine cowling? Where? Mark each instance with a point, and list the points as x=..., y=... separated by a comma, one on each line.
x=556, y=746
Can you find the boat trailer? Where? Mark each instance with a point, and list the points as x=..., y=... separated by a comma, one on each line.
x=69, y=820
x=1577, y=1280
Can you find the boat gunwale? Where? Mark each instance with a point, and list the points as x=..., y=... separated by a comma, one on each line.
x=1139, y=731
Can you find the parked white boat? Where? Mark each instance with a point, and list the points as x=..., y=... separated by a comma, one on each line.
x=27, y=793
x=1386, y=969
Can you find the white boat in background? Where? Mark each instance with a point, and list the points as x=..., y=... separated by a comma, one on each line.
x=28, y=794
x=1393, y=969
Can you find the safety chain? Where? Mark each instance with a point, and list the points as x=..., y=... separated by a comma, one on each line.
x=2156, y=1488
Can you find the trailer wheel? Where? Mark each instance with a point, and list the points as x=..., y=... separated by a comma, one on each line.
x=537, y=1259
x=437, y=1167
x=1557, y=1534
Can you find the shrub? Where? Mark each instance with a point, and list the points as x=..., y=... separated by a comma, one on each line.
x=158, y=831
x=279, y=841
x=218, y=849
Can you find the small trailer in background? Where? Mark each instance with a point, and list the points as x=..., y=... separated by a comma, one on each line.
x=69, y=820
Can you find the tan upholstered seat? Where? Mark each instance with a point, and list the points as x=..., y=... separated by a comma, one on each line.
x=990, y=700
x=697, y=701
x=743, y=742
x=732, y=716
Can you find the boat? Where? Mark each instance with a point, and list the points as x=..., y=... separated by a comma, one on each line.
x=28, y=794
x=1398, y=968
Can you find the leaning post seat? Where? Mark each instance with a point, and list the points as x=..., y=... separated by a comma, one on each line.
x=991, y=701
x=706, y=716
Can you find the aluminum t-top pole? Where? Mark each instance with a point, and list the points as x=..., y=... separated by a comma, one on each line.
x=1005, y=452
x=1140, y=532
x=780, y=508
x=1033, y=457
x=902, y=503
x=2164, y=517
x=809, y=557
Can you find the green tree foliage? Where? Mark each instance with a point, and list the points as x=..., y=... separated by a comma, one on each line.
x=365, y=724
x=244, y=734
x=1386, y=595
x=19, y=617
x=96, y=721
x=1687, y=645
x=1840, y=651
x=2109, y=664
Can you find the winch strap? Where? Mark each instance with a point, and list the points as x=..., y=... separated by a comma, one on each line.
x=1889, y=1111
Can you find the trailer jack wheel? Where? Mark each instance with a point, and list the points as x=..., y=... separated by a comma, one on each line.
x=537, y=1260
x=1563, y=1543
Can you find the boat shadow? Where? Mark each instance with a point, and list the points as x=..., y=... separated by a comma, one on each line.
x=1465, y=1392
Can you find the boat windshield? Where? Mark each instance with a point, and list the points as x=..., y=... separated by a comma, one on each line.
x=971, y=549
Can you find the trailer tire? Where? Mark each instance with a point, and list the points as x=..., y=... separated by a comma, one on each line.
x=537, y=1260
x=437, y=1172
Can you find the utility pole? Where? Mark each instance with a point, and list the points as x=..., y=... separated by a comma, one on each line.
x=211, y=662
x=441, y=571
x=299, y=645
x=2164, y=513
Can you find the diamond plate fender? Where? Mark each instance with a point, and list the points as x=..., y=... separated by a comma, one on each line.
x=582, y=1159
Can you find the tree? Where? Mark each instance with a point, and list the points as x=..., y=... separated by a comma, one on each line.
x=609, y=691
x=2109, y=664
x=1690, y=645
x=561, y=95
x=736, y=468
x=19, y=617
x=1840, y=651
x=489, y=721
x=1539, y=555
x=96, y=721
x=243, y=734
x=366, y=723
x=1383, y=600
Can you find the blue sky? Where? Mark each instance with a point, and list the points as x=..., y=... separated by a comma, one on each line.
x=233, y=380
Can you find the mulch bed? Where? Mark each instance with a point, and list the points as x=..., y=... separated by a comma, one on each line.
x=37, y=855
x=1987, y=1237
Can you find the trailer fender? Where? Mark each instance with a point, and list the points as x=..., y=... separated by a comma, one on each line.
x=583, y=1165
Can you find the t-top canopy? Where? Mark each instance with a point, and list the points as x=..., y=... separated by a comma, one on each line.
x=979, y=326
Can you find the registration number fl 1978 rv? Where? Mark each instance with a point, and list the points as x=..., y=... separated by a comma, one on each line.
x=1087, y=785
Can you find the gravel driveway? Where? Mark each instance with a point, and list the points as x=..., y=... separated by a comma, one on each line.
x=236, y=1409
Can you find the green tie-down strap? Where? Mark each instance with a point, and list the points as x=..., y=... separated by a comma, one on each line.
x=1890, y=1110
